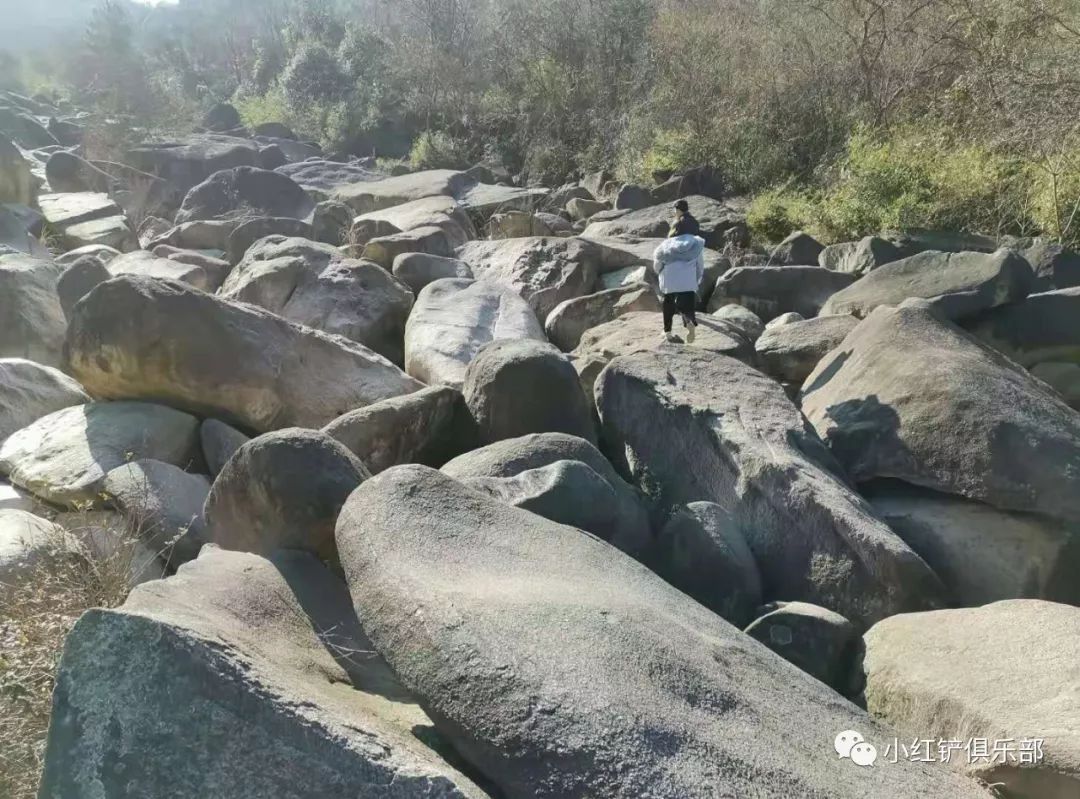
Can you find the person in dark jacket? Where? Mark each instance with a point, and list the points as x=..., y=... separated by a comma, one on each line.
x=685, y=224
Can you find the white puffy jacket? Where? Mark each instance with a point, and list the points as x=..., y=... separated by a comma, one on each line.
x=680, y=264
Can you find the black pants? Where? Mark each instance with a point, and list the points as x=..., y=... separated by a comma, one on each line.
x=684, y=302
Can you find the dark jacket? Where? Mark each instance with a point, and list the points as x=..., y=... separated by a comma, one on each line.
x=686, y=226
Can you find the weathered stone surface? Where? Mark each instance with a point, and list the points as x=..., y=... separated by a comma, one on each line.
x=544, y=271
x=958, y=284
x=744, y=320
x=510, y=457
x=219, y=442
x=466, y=619
x=789, y=318
x=64, y=457
x=821, y=643
x=282, y=490
x=430, y=427
x=430, y=240
x=982, y=554
x=743, y=445
x=1064, y=378
x=790, y=352
x=944, y=674
x=717, y=221
x=252, y=653
x=417, y=269
x=320, y=178
x=314, y=285
x=67, y=172
x=86, y=218
x=859, y=257
x=367, y=196
x=332, y=222
x=567, y=323
x=216, y=269
x=146, y=264
x=29, y=391
x=503, y=394
x=12, y=498
x=78, y=280
x=1044, y=327
x=702, y=552
x=16, y=234
x=206, y=234
x=100, y=251
x=798, y=249
x=573, y=493
x=17, y=184
x=483, y=199
x=770, y=291
x=516, y=225
x=439, y=211
x=244, y=192
x=453, y=319
x=32, y=321
x=111, y=231
x=163, y=503
x=643, y=332
x=915, y=240
x=188, y=161
x=634, y=197
x=580, y=208
x=247, y=233
x=911, y=396
x=1054, y=266
x=138, y=337
x=26, y=542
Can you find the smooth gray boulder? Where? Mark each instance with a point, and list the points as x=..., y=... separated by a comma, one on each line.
x=245, y=192
x=544, y=271
x=823, y=644
x=770, y=291
x=719, y=222
x=519, y=386
x=744, y=320
x=64, y=457
x=429, y=426
x=911, y=396
x=219, y=441
x=697, y=426
x=143, y=263
x=253, y=653
x=1044, y=327
x=320, y=178
x=510, y=457
x=859, y=257
x=702, y=552
x=790, y=352
x=78, y=280
x=32, y=320
x=189, y=160
x=467, y=617
x=982, y=554
x=573, y=493
x=958, y=284
x=366, y=196
x=567, y=323
x=314, y=285
x=417, y=269
x=1008, y=671
x=431, y=240
x=247, y=233
x=139, y=337
x=29, y=391
x=453, y=319
x=27, y=542
x=282, y=490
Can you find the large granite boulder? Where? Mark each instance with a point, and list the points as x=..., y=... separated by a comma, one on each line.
x=247, y=233
x=1005, y=673
x=911, y=396
x=282, y=490
x=514, y=387
x=366, y=196
x=441, y=211
x=770, y=291
x=28, y=543
x=29, y=391
x=1054, y=266
x=417, y=269
x=244, y=192
x=79, y=279
x=67, y=172
x=65, y=456
x=821, y=643
x=144, y=338
x=859, y=257
x=695, y=426
x=1044, y=327
x=429, y=426
x=798, y=249
x=958, y=284
x=32, y=321
x=467, y=618
x=719, y=222
x=188, y=161
x=249, y=654
x=544, y=271
x=219, y=443
x=570, y=319
x=312, y=284
x=86, y=218
x=453, y=319
x=321, y=178
x=790, y=352
x=141, y=262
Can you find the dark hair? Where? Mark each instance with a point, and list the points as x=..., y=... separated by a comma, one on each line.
x=683, y=206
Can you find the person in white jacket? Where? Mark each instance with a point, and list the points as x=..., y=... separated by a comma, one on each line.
x=680, y=264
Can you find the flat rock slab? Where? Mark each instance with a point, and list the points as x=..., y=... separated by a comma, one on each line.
x=702, y=427
x=941, y=675
x=770, y=291
x=140, y=337
x=64, y=457
x=911, y=396
x=321, y=178
x=958, y=284
x=647, y=694
x=147, y=264
x=62, y=210
x=252, y=652
x=366, y=196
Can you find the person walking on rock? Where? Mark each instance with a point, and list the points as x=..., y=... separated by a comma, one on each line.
x=679, y=262
x=684, y=223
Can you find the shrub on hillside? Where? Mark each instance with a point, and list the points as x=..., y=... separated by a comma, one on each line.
x=438, y=150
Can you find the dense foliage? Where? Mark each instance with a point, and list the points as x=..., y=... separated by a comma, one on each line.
x=843, y=116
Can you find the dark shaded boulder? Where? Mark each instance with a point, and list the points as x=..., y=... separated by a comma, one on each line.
x=222, y=118
x=282, y=490
x=417, y=269
x=503, y=392
x=429, y=427
x=188, y=161
x=695, y=426
x=141, y=337
x=633, y=197
x=859, y=257
x=253, y=655
x=1054, y=266
x=702, y=552
x=911, y=396
x=68, y=172
x=823, y=644
x=244, y=192
x=798, y=249
x=219, y=443
x=78, y=280
x=1044, y=327
x=467, y=617
x=249, y=232
x=31, y=318
x=770, y=291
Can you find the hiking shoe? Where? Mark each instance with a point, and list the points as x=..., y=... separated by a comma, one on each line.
x=691, y=334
